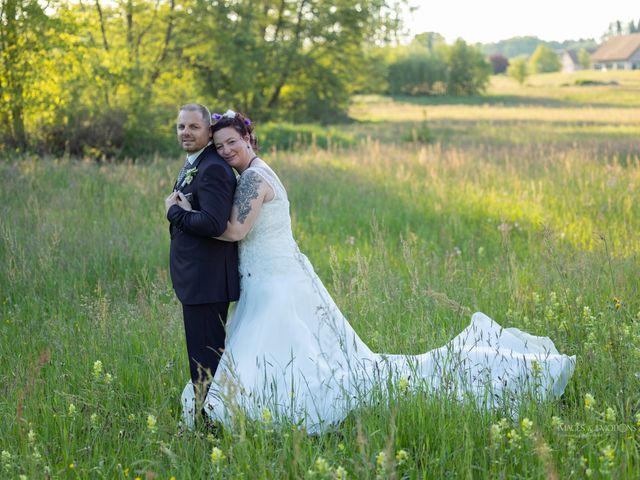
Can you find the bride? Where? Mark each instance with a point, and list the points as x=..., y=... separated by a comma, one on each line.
x=291, y=355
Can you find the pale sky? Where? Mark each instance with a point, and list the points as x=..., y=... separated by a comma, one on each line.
x=492, y=20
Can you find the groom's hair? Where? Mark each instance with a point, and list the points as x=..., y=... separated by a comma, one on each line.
x=196, y=107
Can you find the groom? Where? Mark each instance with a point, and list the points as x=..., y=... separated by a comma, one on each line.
x=204, y=271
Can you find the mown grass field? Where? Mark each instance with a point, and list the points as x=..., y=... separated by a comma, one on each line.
x=524, y=205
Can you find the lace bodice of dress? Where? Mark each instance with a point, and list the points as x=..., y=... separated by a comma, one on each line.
x=269, y=246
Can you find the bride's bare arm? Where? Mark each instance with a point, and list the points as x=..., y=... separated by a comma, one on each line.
x=251, y=193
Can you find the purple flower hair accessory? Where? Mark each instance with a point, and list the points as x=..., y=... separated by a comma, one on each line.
x=216, y=116
x=247, y=122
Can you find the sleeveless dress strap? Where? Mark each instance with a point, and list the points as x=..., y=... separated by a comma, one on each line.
x=272, y=179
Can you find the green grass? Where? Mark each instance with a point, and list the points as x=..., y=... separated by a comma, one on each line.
x=536, y=227
x=549, y=109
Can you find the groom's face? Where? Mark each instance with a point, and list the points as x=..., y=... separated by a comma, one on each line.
x=193, y=131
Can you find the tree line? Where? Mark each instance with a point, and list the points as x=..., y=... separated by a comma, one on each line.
x=90, y=77
x=104, y=79
x=621, y=28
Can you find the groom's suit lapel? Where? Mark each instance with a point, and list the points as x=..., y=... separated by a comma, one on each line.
x=200, y=157
x=194, y=165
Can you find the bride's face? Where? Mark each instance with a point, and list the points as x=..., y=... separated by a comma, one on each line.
x=232, y=147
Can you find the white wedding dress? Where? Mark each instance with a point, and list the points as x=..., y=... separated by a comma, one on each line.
x=290, y=355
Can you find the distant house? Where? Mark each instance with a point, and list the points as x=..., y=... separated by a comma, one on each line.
x=621, y=52
x=570, y=61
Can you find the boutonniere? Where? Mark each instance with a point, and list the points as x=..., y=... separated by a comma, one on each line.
x=188, y=176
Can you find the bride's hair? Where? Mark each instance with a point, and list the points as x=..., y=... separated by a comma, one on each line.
x=238, y=122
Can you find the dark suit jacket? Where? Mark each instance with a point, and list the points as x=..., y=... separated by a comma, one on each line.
x=203, y=269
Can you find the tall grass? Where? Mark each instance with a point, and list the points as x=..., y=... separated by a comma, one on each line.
x=408, y=238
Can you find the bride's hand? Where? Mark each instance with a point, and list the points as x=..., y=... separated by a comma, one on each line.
x=183, y=202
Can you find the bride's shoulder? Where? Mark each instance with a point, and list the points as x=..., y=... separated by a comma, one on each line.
x=258, y=162
x=261, y=168
x=261, y=171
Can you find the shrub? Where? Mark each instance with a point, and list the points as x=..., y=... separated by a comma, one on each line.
x=544, y=60
x=584, y=82
x=419, y=134
x=83, y=133
x=468, y=71
x=518, y=70
x=419, y=72
x=499, y=63
x=287, y=136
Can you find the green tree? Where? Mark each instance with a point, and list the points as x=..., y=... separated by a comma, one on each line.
x=544, y=60
x=252, y=54
x=467, y=70
x=518, y=69
x=512, y=47
x=428, y=40
x=584, y=58
x=372, y=76
x=103, y=78
x=25, y=35
x=418, y=71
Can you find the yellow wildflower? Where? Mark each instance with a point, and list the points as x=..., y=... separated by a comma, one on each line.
x=402, y=456
x=340, y=473
x=610, y=415
x=72, y=410
x=589, y=401
x=514, y=438
x=608, y=454
x=94, y=419
x=403, y=385
x=527, y=426
x=321, y=466
x=266, y=416
x=381, y=460
x=588, y=472
x=536, y=368
x=97, y=369
x=6, y=458
x=217, y=455
x=151, y=422
x=108, y=378
x=72, y=466
x=556, y=422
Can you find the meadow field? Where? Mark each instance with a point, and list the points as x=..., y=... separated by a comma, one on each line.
x=522, y=204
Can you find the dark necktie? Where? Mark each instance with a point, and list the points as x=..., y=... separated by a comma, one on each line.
x=183, y=173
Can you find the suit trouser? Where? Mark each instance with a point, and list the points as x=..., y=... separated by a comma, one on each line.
x=204, y=326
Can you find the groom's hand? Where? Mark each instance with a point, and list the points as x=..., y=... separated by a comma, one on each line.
x=170, y=201
x=183, y=201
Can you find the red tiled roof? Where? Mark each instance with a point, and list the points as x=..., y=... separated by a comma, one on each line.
x=621, y=47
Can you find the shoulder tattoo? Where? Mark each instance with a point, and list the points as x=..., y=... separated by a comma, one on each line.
x=246, y=191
